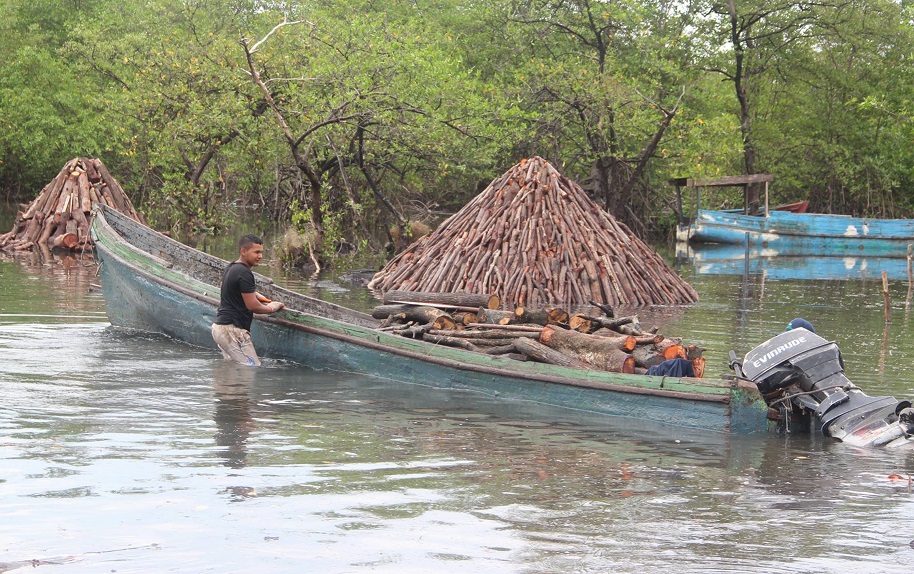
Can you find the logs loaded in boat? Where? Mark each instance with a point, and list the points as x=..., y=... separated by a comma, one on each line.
x=466, y=301
x=59, y=216
x=421, y=314
x=539, y=352
x=535, y=239
x=605, y=353
x=596, y=342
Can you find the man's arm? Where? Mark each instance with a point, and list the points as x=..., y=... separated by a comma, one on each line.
x=255, y=306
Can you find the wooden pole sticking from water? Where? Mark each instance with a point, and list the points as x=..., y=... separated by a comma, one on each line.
x=907, y=303
x=885, y=294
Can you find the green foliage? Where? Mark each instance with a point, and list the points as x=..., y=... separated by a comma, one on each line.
x=862, y=100
x=405, y=111
x=828, y=85
x=48, y=116
x=176, y=102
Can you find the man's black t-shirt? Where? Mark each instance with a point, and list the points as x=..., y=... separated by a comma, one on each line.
x=236, y=279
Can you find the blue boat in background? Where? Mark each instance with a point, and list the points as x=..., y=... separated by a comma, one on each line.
x=721, y=259
x=786, y=232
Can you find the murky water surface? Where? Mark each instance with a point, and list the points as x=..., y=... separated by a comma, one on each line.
x=125, y=452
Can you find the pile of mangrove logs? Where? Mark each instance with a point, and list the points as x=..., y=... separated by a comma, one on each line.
x=473, y=322
x=59, y=216
x=535, y=238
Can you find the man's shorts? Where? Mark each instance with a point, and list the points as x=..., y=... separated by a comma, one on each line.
x=235, y=344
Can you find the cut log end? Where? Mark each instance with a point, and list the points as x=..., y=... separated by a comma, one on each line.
x=674, y=352
x=444, y=322
x=698, y=365
x=628, y=365
x=580, y=324
x=66, y=241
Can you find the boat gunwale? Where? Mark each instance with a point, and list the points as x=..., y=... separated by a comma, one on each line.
x=265, y=283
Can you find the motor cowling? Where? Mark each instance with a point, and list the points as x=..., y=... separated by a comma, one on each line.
x=796, y=357
x=810, y=372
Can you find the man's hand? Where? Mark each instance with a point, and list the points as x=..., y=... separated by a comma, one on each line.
x=254, y=305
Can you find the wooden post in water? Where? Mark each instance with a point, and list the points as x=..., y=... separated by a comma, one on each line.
x=885, y=294
x=907, y=302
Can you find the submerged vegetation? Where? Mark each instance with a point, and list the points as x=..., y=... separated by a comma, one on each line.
x=350, y=118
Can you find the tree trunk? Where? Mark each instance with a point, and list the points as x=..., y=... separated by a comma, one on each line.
x=544, y=354
x=486, y=334
x=470, y=300
x=740, y=78
x=451, y=342
x=547, y=316
x=423, y=315
x=496, y=316
x=294, y=143
x=647, y=356
x=603, y=352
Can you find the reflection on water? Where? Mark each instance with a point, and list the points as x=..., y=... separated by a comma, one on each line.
x=722, y=259
x=234, y=421
x=112, y=439
x=46, y=285
x=224, y=467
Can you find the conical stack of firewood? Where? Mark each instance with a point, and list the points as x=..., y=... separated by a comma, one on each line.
x=59, y=216
x=535, y=238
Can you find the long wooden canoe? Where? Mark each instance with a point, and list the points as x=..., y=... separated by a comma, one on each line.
x=154, y=283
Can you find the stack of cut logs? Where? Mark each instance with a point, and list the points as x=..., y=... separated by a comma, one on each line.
x=535, y=238
x=588, y=341
x=59, y=216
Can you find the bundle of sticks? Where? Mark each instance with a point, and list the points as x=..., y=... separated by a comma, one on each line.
x=535, y=238
x=59, y=216
x=586, y=341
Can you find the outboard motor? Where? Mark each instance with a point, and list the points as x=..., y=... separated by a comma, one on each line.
x=801, y=376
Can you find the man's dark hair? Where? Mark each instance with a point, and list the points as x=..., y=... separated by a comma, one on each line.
x=247, y=240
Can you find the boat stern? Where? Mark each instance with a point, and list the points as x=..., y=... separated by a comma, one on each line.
x=685, y=231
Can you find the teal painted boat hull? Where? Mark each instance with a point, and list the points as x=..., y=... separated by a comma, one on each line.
x=152, y=283
x=783, y=233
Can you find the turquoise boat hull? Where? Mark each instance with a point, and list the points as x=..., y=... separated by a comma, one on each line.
x=153, y=283
x=783, y=233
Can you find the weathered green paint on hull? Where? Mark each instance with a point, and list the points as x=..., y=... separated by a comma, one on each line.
x=151, y=286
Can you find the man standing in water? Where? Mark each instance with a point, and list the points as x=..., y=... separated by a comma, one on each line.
x=238, y=302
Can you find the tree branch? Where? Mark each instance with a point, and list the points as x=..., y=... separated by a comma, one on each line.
x=256, y=46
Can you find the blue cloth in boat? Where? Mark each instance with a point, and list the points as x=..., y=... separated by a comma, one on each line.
x=673, y=368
